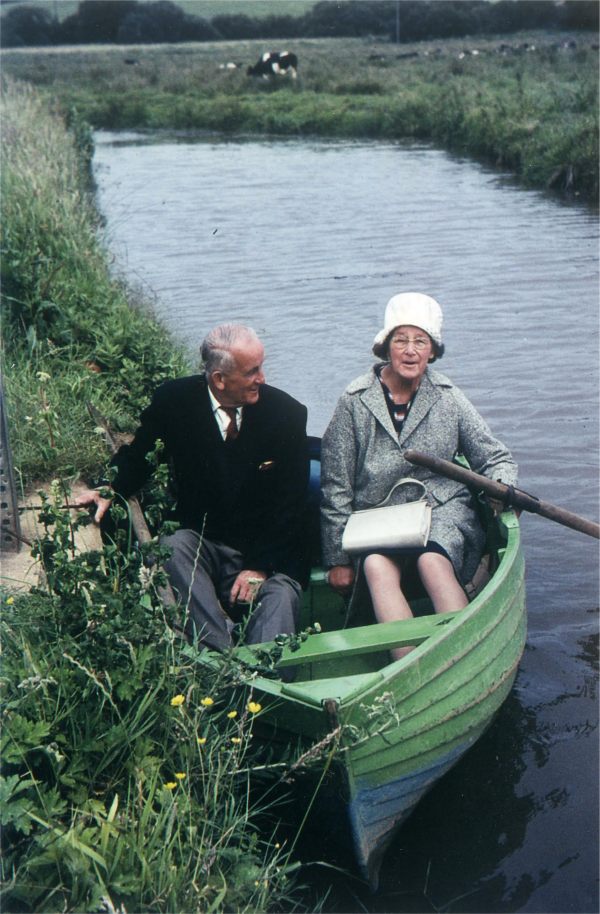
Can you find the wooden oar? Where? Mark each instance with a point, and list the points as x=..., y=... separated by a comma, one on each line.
x=510, y=496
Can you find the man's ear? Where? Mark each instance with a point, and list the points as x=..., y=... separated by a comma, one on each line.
x=217, y=381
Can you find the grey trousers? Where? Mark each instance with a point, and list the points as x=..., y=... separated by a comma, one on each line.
x=202, y=574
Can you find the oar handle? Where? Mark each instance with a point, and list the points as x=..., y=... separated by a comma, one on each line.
x=507, y=494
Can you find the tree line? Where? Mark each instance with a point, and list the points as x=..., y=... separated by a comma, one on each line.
x=133, y=22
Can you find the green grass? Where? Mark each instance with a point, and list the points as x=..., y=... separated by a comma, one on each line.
x=71, y=332
x=126, y=768
x=533, y=113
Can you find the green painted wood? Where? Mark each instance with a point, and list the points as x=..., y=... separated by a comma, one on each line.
x=444, y=693
x=341, y=689
x=365, y=639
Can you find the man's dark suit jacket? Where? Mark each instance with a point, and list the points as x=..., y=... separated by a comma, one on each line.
x=250, y=493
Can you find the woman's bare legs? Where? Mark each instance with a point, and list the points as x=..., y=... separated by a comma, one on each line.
x=440, y=582
x=389, y=603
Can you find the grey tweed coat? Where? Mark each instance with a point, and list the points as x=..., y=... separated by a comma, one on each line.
x=362, y=458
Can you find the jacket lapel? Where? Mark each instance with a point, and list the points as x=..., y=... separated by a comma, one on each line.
x=374, y=399
x=426, y=396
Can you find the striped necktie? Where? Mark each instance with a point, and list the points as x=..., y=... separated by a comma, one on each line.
x=232, y=430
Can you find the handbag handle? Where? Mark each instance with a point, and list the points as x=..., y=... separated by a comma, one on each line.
x=407, y=480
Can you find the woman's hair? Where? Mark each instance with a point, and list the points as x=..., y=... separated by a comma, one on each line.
x=382, y=350
x=215, y=351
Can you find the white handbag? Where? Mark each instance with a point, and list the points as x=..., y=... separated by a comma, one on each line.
x=386, y=526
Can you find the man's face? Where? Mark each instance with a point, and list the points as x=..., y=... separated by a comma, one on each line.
x=241, y=385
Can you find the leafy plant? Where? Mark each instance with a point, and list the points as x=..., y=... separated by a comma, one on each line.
x=126, y=765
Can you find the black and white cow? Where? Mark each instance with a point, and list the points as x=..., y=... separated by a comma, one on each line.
x=275, y=63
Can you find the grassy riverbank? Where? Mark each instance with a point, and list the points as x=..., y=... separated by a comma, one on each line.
x=126, y=771
x=70, y=333
x=530, y=108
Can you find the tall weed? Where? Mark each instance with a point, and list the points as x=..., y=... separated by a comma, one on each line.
x=126, y=766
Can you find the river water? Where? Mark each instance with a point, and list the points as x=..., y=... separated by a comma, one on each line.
x=306, y=241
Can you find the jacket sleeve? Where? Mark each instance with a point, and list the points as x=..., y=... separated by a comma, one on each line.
x=133, y=469
x=338, y=473
x=485, y=453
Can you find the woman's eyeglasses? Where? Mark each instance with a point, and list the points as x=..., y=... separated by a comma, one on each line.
x=403, y=342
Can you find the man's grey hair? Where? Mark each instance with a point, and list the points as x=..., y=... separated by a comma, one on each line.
x=218, y=343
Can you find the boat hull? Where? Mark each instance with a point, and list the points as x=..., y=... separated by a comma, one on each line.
x=402, y=724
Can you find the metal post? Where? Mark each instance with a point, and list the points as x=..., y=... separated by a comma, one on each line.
x=10, y=527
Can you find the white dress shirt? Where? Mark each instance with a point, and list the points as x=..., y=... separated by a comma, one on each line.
x=223, y=419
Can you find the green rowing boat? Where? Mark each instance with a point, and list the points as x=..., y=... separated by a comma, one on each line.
x=400, y=725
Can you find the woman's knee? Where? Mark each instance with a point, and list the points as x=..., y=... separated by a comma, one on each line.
x=378, y=566
x=434, y=563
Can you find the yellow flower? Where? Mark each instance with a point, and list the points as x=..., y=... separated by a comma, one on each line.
x=232, y=714
x=171, y=785
x=177, y=701
x=180, y=775
x=10, y=601
x=254, y=707
x=235, y=739
x=207, y=702
x=201, y=740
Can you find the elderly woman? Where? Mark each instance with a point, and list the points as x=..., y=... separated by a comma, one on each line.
x=403, y=403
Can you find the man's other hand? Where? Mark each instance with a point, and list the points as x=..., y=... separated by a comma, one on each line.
x=93, y=497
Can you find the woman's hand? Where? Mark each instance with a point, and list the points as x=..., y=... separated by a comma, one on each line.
x=341, y=578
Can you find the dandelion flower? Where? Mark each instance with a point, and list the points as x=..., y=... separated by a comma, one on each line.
x=10, y=601
x=235, y=739
x=171, y=785
x=177, y=701
x=232, y=714
x=180, y=775
x=43, y=376
x=207, y=702
x=254, y=707
x=201, y=740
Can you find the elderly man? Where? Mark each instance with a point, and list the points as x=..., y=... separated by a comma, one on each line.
x=239, y=457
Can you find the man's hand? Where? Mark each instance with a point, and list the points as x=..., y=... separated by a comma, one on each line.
x=246, y=585
x=341, y=578
x=93, y=497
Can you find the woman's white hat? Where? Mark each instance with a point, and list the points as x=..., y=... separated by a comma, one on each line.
x=412, y=309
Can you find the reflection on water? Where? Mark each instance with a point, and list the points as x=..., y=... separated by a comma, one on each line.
x=306, y=241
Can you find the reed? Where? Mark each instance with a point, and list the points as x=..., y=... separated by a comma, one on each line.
x=531, y=109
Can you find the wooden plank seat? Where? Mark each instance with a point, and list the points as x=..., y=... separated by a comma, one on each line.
x=363, y=640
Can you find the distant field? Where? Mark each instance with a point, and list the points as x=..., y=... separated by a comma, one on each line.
x=528, y=103
x=207, y=9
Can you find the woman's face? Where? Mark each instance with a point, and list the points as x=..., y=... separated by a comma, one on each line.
x=410, y=350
